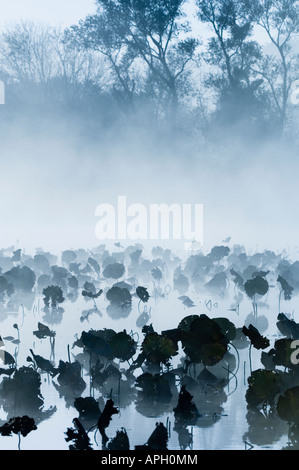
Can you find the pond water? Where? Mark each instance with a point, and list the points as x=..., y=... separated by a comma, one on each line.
x=224, y=422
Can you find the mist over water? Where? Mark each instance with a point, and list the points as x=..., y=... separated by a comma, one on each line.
x=52, y=182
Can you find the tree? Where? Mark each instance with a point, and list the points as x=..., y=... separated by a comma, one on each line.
x=95, y=33
x=232, y=54
x=27, y=52
x=35, y=60
x=280, y=20
x=35, y=52
x=146, y=31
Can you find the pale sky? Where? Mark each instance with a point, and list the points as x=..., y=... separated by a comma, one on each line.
x=55, y=12
x=67, y=12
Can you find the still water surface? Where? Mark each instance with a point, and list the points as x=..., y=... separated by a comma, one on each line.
x=227, y=430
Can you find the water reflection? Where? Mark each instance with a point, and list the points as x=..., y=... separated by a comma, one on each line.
x=20, y=395
x=99, y=326
x=265, y=428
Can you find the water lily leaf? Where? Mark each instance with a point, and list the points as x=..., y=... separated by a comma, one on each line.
x=78, y=436
x=88, y=408
x=142, y=293
x=53, y=295
x=202, y=340
x=119, y=297
x=16, y=341
x=20, y=425
x=237, y=278
x=154, y=387
x=70, y=375
x=258, y=285
x=240, y=341
x=158, y=349
x=257, y=340
x=217, y=284
x=143, y=319
x=120, y=441
x=287, y=326
x=123, y=346
x=7, y=358
x=114, y=271
x=285, y=287
x=96, y=295
x=21, y=277
x=268, y=359
x=263, y=386
x=159, y=438
x=186, y=301
x=288, y=405
x=219, y=252
x=96, y=344
x=185, y=324
x=94, y=264
x=186, y=412
x=44, y=364
x=181, y=283
x=44, y=331
x=22, y=391
x=156, y=273
x=227, y=327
